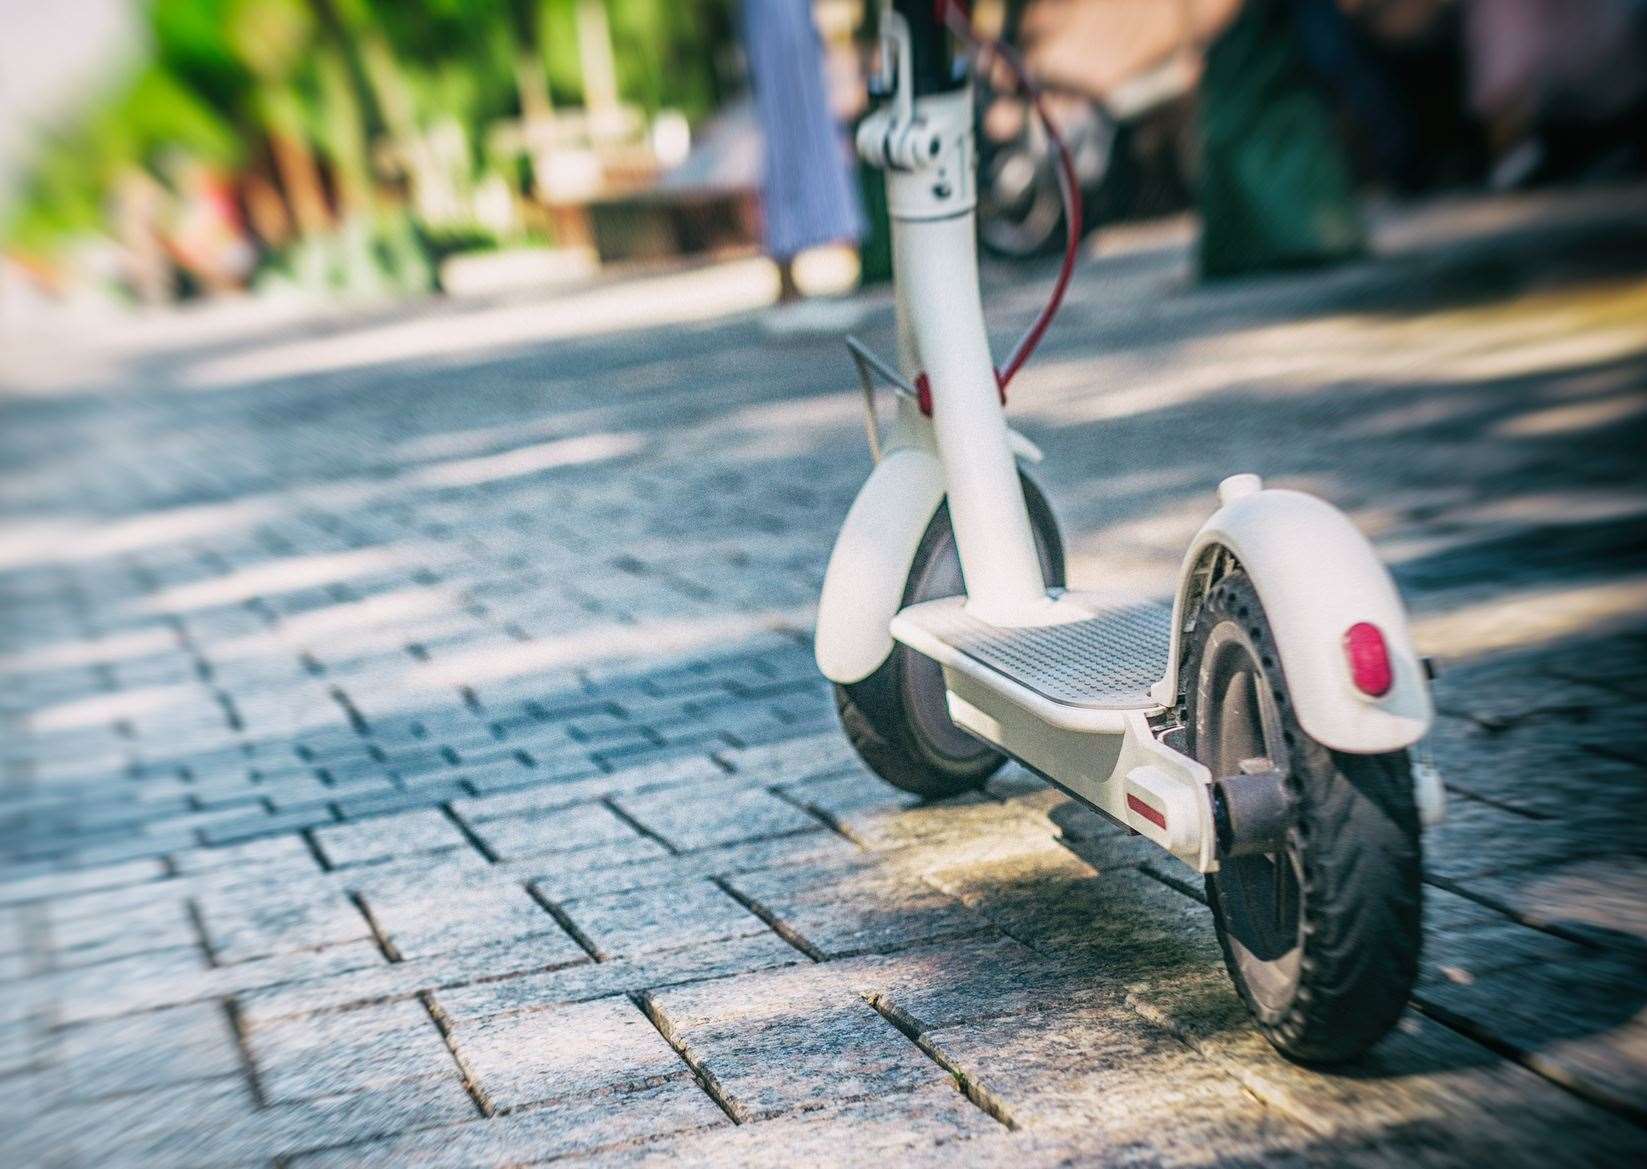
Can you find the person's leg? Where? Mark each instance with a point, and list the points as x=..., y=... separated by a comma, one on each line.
x=788, y=290
x=808, y=194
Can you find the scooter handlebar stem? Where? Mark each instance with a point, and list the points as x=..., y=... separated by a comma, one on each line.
x=928, y=155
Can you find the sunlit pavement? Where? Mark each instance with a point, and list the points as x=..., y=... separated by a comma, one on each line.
x=413, y=756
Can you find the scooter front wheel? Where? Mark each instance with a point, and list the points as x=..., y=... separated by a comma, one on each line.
x=897, y=719
x=1321, y=937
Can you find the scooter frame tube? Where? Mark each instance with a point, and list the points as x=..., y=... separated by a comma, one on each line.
x=925, y=143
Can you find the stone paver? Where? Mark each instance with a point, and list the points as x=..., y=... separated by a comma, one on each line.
x=527, y=1057
x=1107, y=1069
x=566, y=1127
x=138, y=1052
x=242, y=924
x=572, y=829
x=704, y=815
x=788, y=1040
x=418, y=923
x=836, y=913
x=419, y=760
x=349, y=1052
x=661, y=917
x=387, y=836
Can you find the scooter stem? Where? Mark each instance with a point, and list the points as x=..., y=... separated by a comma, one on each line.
x=925, y=144
x=936, y=261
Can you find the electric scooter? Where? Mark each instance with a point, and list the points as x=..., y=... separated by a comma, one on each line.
x=1260, y=727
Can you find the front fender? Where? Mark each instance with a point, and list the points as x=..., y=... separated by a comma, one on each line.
x=1317, y=575
x=864, y=584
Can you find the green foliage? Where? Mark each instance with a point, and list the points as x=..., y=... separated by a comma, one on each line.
x=666, y=52
x=66, y=192
x=222, y=75
x=59, y=200
x=190, y=39
x=159, y=112
x=269, y=37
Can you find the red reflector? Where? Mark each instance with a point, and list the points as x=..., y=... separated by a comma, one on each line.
x=923, y=393
x=1369, y=659
x=1157, y=818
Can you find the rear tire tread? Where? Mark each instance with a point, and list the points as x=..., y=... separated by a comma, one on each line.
x=1362, y=864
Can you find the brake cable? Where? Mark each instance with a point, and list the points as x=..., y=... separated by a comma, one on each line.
x=954, y=14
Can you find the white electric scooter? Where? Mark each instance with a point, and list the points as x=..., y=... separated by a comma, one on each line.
x=1257, y=728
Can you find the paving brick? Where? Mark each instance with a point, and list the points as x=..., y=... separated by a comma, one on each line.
x=857, y=792
x=663, y=917
x=562, y=830
x=534, y=800
x=931, y=1126
x=934, y=824
x=1057, y=904
x=550, y=793
x=209, y=1124
x=233, y=831
x=400, y=799
x=388, y=836
x=705, y=815
x=312, y=792
x=787, y=1040
x=182, y=1124
x=139, y=1052
x=565, y=1127
x=955, y=983
x=838, y=912
x=418, y=923
x=348, y=1052
x=63, y=884
x=336, y=1121
x=1103, y=1066
x=1447, y=1090
x=1477, y=840
x=274, y=852
x=1593, y=897
x=1597, y=1037
x=123, y=986
x=529, y=1056
x=530, y=987
x=240, y=926
x=503, y=777
x=85, y=939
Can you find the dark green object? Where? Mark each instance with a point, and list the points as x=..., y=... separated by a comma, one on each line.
x=875, y=250
x=1276, y=189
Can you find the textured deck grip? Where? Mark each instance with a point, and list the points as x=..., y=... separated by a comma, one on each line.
x=1109, y=660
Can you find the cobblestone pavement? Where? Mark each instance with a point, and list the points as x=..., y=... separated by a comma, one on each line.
x=413, y=754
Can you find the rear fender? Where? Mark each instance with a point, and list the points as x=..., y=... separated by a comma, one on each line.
x=1316, y=575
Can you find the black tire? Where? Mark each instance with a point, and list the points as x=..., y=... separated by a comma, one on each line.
x=1020, y=206
x=897, y=719
x=1322, y=938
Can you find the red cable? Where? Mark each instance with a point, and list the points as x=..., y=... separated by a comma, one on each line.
x=954, y=14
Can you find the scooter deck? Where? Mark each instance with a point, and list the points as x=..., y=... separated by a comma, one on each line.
x=1105, y=658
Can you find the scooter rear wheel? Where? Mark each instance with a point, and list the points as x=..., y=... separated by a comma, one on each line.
x=897, y=719
x=1321, y=937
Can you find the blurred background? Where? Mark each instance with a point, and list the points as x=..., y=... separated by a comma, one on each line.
x=155, y=151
